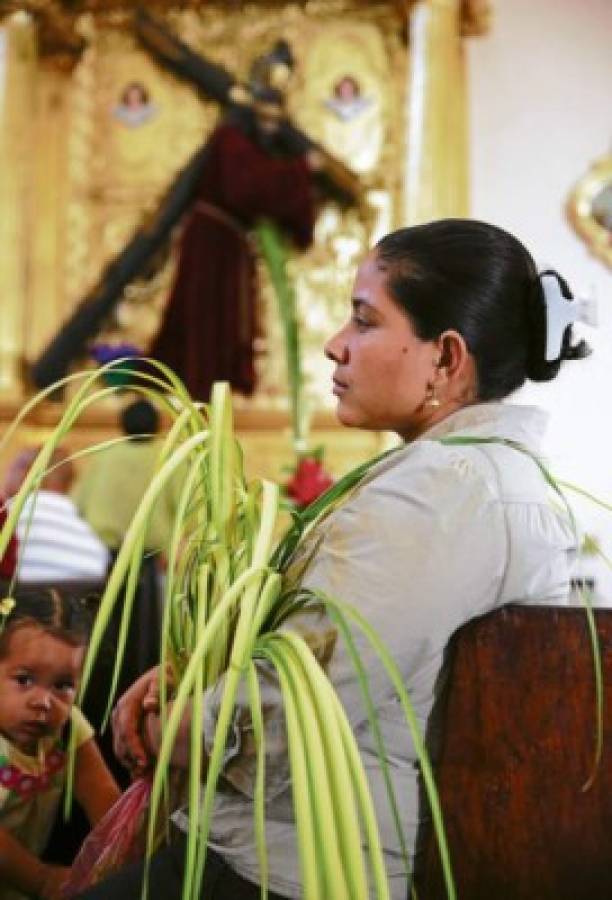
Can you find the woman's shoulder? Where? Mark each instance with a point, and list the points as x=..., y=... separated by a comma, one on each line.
x=433, y=466
x=426, y=486
x=441, y=476
x=490, y=445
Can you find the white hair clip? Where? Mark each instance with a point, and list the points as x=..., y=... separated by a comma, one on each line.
x=561, y=312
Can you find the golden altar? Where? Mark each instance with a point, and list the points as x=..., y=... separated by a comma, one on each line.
x=74, y=183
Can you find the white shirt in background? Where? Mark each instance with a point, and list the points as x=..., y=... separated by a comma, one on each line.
x=55, y=543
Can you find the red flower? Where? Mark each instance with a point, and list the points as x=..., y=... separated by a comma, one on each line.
x=309, y=481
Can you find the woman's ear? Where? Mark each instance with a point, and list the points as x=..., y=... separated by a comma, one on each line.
x=456, y=376
x=454, y=356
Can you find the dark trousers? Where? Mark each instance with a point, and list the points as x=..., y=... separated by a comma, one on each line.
x=166, y=880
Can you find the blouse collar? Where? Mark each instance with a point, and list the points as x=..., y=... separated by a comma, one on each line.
x=525, y=424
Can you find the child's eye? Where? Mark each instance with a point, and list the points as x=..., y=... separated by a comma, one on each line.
x=65, y=686
x=24, y=679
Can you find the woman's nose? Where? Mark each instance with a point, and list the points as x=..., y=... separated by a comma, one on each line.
x=336, y=348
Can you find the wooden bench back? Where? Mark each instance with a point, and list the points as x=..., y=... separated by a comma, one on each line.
x=518, y=748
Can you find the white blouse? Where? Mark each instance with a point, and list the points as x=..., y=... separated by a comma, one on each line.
x=434, y=536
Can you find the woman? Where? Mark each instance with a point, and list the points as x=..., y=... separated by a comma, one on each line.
x=447, y=319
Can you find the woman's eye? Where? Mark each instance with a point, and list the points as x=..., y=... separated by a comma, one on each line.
x=360, y=323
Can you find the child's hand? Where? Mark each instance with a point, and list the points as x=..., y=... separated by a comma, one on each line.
x=54, y=877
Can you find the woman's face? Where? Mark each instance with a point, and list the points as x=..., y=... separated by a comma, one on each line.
x=383, y=370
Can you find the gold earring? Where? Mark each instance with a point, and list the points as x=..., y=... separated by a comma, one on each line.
x=430, y=399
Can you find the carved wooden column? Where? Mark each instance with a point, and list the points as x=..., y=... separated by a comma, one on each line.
x=17, y=114
x=48, y=177
x=437, y=165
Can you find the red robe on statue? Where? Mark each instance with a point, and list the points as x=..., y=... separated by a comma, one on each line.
x=209, y=324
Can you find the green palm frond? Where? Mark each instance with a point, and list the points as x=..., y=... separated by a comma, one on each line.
x=273, y=249
x=225, y=600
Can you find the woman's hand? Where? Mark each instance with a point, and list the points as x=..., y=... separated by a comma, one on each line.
x=152, y=736
x=127, y=722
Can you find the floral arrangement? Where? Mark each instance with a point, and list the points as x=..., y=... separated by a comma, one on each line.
x=308, y=481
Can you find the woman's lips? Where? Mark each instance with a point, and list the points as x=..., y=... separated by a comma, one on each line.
x=339, y=387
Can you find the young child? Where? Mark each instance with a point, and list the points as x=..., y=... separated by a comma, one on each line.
x=42, y=647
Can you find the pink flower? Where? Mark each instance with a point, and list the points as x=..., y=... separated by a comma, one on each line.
x=309, y=481
x=26, y=784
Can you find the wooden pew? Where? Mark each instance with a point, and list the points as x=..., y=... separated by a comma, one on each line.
x=518, y=747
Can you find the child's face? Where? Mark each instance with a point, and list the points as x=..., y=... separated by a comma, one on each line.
x=38, y=681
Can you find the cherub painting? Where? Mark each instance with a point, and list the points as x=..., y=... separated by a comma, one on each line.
x=347, y=101
x=135, y=107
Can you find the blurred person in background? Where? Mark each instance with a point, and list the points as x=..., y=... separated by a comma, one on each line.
x=113, y=482
x=54, y=542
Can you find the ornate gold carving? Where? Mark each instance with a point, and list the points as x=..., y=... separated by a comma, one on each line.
x=476, y=17
x=17, y=104
x=366, y=48
x=590, y=208
x=346, y=58
x=99, y=175
x=61, y=42
x=45, y=248
x=436, y=183
x=57, y=37
x=117, y=172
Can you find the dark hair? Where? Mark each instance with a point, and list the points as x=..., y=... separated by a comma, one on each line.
x=134, y=86
x=347, y=79
x=479, y=280
x=58, y=476
x=60, y=615
x=140, y=418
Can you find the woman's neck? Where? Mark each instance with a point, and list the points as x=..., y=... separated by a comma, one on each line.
x=432, y=416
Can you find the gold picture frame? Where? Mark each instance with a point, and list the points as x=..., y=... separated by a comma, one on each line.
x=589, y=208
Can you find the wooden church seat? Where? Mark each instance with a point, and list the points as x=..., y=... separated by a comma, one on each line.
x=518, y=744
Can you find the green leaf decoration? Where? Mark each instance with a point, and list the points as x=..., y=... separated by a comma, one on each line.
x=225, y=600
x=273, y=250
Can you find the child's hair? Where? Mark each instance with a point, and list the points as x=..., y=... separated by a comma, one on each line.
x=62, y=616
